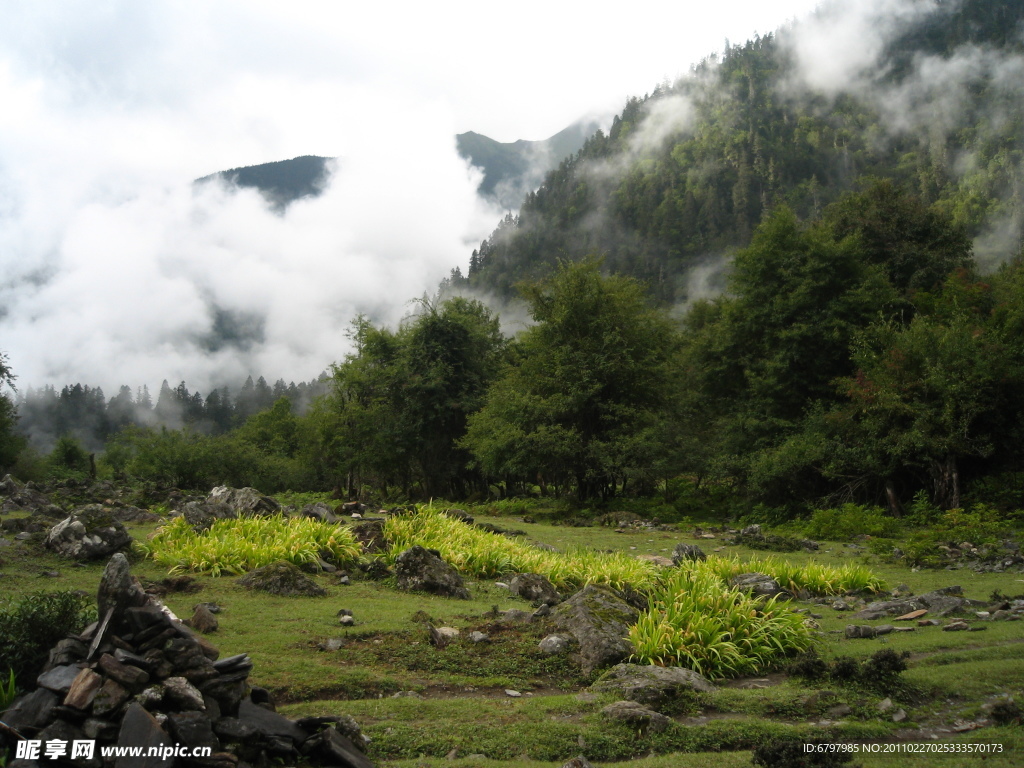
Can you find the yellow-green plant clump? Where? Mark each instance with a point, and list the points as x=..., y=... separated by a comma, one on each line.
x=814, y=577
x=244, y=543
x=482, y=554
x=699, y=622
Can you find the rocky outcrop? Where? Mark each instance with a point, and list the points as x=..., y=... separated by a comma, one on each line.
x=687, y=553
x=939, y=602
x=598, y=618
x=282, y=579
x=90, y=533
x=140, y=678
x=636, y=716
x=422, y=569
x=649, y=685
x=244, y=502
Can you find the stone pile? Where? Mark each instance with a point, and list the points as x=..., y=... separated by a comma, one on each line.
x=140, y=678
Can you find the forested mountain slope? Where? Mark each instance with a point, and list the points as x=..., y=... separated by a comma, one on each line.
x=686, y=173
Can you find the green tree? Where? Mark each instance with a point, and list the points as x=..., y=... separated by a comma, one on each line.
x=402, y=397
x=580, y=403
x=11, y=443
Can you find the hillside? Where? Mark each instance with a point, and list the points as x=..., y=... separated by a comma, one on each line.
x=686, y=173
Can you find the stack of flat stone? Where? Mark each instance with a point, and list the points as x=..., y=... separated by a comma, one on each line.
x=140, y=678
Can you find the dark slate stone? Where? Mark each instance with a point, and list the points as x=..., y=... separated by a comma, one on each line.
x=193, y=729
x=140, y=729
x=335, y=749
x=31, y=712
x=270, y=724
x=59, y=679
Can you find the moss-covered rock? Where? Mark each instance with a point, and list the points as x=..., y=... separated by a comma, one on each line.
x=283, y=579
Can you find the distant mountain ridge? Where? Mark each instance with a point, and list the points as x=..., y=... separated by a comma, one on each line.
x=513, y=169
x=281, y=182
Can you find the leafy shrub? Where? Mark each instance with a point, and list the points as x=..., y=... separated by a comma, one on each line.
x=981, y=526
x=879, y=673
x=851, y=520
x=240, y=545
x=34, y=624
x=884, y=666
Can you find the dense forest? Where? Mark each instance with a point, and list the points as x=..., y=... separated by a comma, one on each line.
x=862, y=340
x=685, y=174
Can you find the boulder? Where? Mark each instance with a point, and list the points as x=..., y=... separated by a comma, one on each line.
x=759, y=584
x=859, y=631
x=245, y=502
x=636, y=716
x=90, y=533
x=650, y=685
x=598, y=618
x=420, y=569
x=321, y=512
x=535, y=588
x=282, y=579
x=687, y=553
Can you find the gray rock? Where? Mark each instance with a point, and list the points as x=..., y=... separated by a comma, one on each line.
x=419, y=569
x=687, y=553
x=577, y=762
x=140, y=729
x=183, y=694
x=859, y=631
x=90, y=533
x=759, y=584
x=245, y=502
x=553, y=644
x=636, y=715
x=478, y=637
x=598, y=619
x=59, y=679
x=321, y=512
x=535, y=588
x=650, y=685
x=282, y=579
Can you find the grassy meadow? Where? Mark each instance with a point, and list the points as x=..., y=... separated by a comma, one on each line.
x=420, y=704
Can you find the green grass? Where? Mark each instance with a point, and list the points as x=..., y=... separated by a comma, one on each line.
x=953, y=671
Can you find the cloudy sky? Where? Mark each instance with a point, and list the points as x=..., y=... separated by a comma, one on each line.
x=111, y=265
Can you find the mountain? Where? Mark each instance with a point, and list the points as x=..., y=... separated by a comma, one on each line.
x=512, y=169
x=282, y=182
x=686, y=173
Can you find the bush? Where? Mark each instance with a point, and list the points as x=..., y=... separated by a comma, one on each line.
x=851, y=520
x=34, y=624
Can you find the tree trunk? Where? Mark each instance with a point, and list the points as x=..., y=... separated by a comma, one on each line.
x=946, y=483
x=894, y=503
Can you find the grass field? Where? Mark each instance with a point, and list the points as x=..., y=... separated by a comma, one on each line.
x=454, y=700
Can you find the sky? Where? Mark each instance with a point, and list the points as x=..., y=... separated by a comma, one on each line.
x=113, y=268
